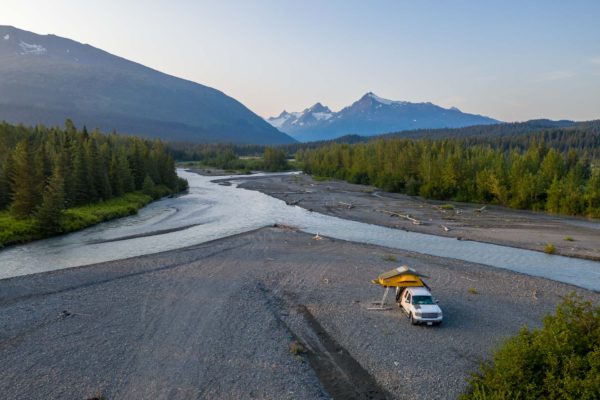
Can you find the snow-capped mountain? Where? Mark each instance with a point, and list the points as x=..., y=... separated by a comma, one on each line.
x=312, y=116
x=371, y=115
x=45, y=79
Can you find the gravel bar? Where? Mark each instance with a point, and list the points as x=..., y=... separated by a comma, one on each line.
x=216, y=321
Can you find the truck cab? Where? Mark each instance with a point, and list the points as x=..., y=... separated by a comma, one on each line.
x=420, y=306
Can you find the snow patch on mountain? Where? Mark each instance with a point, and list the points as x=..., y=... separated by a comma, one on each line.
x=318, y=113
x=322, y=115
x=278, y=122
x=384, y=101
x=285, y=116
x=6, y=37
x=34, y=49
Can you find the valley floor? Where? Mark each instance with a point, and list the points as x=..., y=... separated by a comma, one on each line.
x=571, y=236
x=216, y=320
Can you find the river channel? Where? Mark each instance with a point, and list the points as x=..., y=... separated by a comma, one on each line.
x=211, y=211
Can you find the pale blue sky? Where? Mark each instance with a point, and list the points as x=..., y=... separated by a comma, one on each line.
x=512, y=60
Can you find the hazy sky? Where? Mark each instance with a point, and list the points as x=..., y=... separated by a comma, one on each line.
x=512, y=60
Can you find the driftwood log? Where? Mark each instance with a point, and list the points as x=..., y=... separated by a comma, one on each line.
x=347, y=205
x=395, y=214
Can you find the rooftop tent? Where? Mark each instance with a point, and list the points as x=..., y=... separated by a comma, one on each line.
x=400, y=277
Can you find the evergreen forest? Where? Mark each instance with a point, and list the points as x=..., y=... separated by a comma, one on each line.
x=55, y=180
x=559, y=174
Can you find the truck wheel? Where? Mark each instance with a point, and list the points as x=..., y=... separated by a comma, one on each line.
x=412, y=320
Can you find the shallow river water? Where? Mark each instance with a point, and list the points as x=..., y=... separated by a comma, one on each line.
x=211, y=211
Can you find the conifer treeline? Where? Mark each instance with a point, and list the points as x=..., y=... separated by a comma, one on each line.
x=538, y=177
x=44, y=170
x=585, y=142
x=583, y=138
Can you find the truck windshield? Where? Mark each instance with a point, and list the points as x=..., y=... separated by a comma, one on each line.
x=422, y=300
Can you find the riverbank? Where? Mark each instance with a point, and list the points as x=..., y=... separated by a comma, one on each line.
x=217, y=172
x=573, y=237
x=15, y=231
x=199, y=322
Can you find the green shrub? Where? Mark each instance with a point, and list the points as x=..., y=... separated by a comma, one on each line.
x=274, y=159
x=81, y=217
x=295, y=165
x=390, y=258
x=561, y=360
x=447, y=206
x=296, y=348
x=569, y=239
x=15, y=230
x=550, y=248
x=182, y=185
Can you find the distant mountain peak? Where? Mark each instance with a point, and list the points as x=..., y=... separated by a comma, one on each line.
x=373, y=97
x=318, y=108
x=371, y=115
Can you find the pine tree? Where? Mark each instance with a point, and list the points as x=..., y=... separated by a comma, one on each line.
x=170, y=174
x=64, y=157
x=136, y=162
x=70, y=128
x=592, y=194
x=38, y=169
x=50, y=213
x=101, y=170
x=124, y=172
x=79, y=178
x=5, y=189
x=116, y=177
x=148, y=186
x=90, y=155
x=24, y=195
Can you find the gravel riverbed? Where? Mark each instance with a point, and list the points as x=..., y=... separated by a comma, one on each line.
x=571, y=236
x=216, y=320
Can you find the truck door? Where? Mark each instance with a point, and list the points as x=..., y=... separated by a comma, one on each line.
x=406, y=300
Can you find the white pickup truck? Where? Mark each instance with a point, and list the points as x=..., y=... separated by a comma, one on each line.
x=420, y=306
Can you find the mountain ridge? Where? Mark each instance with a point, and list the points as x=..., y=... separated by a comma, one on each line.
x=46, y=79
x=372, y=115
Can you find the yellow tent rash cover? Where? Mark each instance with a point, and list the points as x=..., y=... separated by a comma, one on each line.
x=400, y=277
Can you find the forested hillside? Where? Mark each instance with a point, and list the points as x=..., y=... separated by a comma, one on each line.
x=497, y=130
x=520, y=172
x=583, y=140
x=583, y=137
x=49, y=175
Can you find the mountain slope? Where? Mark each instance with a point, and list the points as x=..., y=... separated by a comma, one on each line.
x=371, y=115
x=46, y=79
